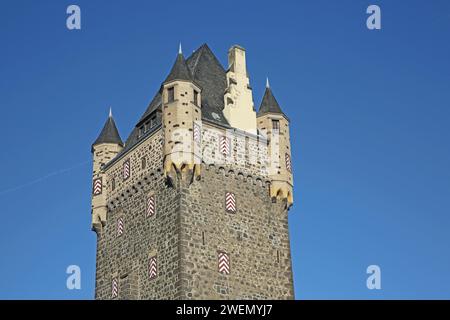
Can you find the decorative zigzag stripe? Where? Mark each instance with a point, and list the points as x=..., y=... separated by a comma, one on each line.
x=119, y=226
x=288, y=162
x=126, y=169
x=153, y=267
x=97, y=187
x=224, y=145
x=197, y=133
x=230, y=202
x=224, y=263
x=114, y=288
x=151, y=206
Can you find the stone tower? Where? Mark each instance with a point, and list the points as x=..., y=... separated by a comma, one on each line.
x=194, y=204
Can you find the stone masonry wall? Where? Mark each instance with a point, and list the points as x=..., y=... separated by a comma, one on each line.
x=248, y=154
x=190, y=225
x=256, y=238
x=127, y=256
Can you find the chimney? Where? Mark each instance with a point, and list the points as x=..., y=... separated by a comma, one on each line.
x=238, y=97
x=236, y=60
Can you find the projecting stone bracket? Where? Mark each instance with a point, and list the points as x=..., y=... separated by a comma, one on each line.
x=182, y=173
x=281, y=191
x=99, y=219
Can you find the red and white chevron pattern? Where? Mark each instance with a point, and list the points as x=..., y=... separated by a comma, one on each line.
x=151, y=206
x=288, y=162
x=119, y=226
x=126, y=169
x=153, y=267
x=97, y=186
x=224, y=145
x=230, y=202
x=224, y=263
x=197, y=133
x=114, y=289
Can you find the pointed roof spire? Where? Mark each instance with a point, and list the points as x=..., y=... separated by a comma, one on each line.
x=109, y=133
x=180, y=70
x=269, y=104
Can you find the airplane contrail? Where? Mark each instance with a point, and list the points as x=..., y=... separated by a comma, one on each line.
x=49, y=175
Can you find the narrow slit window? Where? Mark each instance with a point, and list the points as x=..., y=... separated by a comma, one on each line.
x=171, y=94
x=196, y=97
x=276, y=124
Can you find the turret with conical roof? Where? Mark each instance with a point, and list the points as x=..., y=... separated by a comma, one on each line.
x=269, y=104
x=107, y=145
x=273, y=123
x=181, y=117
x=109, y=133
x=180, y=70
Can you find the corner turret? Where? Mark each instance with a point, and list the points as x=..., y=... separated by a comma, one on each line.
x=106, y=147
x=182, y=114
x=275, y=124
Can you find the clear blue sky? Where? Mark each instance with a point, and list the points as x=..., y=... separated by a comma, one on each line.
x=369, y=117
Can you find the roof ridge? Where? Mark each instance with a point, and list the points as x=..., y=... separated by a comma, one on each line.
x=200, y=51
x=204, y=48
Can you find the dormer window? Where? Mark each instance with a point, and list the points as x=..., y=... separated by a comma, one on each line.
x=153, y=122
x=147, y=126
x=171, y=94
x=196, y=97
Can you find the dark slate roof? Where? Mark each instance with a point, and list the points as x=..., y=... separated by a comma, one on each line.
x=133, y=138
x=180, y=70
x=109, y=133
x=209, y=73
x=205, y=70
x=154, y=104
x=269, y=104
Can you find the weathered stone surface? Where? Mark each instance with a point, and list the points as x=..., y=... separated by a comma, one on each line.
x=189, y=227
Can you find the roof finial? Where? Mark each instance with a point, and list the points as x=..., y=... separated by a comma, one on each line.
x=179, y=49
x=267, y=83
x=110, y=112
